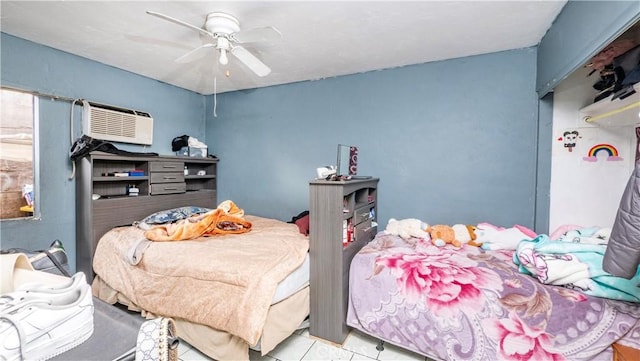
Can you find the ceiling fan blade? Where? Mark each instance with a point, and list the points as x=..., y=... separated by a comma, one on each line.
x=251, y=61
x=265, y=34
x=179, y=22
x=194, y=54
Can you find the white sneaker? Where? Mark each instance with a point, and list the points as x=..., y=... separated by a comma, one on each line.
x=35, y=290
x=39, y=328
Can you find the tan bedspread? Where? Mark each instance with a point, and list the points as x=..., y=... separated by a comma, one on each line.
x=225, y=282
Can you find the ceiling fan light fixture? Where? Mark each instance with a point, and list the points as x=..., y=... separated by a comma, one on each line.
x=224, y=60
x=223, y=46
x=222, y=43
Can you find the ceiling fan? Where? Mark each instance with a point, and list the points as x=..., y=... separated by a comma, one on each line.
x=222, y=32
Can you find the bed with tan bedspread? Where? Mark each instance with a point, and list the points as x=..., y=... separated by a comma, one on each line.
x=225, y=282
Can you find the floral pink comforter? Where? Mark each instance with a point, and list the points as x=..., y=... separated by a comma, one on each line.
x=466, y=304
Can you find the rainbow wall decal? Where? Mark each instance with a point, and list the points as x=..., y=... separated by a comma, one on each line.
x=608, y=148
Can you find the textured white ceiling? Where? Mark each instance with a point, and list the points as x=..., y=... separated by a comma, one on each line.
x=320, y=39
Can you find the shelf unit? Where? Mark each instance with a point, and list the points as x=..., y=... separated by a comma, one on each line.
x=609, y=109
x=342, y=219
x=106, y=184
x=162, y=184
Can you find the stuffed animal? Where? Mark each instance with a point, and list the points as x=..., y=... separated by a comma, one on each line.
x=466, y=234
x=442, y=235
x=493, y=237
x=407, y=228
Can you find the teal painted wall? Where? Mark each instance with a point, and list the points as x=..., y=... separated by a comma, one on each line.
x=452, y=141
x=30, y=66
x=579, y=32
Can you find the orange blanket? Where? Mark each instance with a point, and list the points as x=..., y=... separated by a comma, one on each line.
x=226, y=219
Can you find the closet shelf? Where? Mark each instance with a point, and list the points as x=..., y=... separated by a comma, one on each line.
x=605, y=108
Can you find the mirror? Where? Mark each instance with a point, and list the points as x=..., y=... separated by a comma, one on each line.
x=347, y=160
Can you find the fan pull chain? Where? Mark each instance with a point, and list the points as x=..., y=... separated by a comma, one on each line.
x=215, y=93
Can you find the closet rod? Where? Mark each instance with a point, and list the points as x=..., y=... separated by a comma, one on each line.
x=613, y=112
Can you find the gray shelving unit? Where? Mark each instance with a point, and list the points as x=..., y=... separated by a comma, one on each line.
x=162, y=185
x=342, y=220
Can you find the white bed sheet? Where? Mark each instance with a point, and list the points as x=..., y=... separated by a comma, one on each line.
x=294, y=282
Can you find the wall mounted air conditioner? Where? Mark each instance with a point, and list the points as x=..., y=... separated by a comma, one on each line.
x=107, y=122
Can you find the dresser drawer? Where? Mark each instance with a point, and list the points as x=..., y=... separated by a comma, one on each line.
x=168, y=188
x=362, y=214
x=167, y=167
x=365, y=231
x=167, y=177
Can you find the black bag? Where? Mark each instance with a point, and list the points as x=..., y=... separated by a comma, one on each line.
x=53, y=260
x=85, y=145
x=179, y=142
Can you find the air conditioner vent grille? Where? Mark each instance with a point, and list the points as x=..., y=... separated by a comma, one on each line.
x=122, y=125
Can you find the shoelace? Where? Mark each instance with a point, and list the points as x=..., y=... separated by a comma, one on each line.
x=16, y=304
x=16, y=325
x=8, y=301
x=9, y=317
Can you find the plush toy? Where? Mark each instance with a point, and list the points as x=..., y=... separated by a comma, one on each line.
x=466, y=234
x=493, y=237
x=407, y=228
x=442, y=235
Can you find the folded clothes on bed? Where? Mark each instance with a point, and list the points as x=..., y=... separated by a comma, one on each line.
x=574, y=265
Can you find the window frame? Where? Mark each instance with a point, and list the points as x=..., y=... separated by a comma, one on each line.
x=35, y=160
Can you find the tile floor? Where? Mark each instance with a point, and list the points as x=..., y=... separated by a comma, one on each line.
x=300, y=346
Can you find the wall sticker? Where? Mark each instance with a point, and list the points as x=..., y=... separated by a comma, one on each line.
x=607, y=148
x=569, y=138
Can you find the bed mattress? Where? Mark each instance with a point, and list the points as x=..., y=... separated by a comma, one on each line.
x=468, y=304
x=295, y=281
x=218, y=273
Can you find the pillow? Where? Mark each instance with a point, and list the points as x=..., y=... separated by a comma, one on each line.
x=169, y=215
x=303, y=225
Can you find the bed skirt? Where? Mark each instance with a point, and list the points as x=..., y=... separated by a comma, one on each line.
x=283, y=318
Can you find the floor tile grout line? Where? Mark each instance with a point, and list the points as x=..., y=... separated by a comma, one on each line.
x=309, y=349
x=273, y=358
x=361, y=354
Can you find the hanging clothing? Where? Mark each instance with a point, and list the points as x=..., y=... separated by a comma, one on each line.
x=622, y=256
